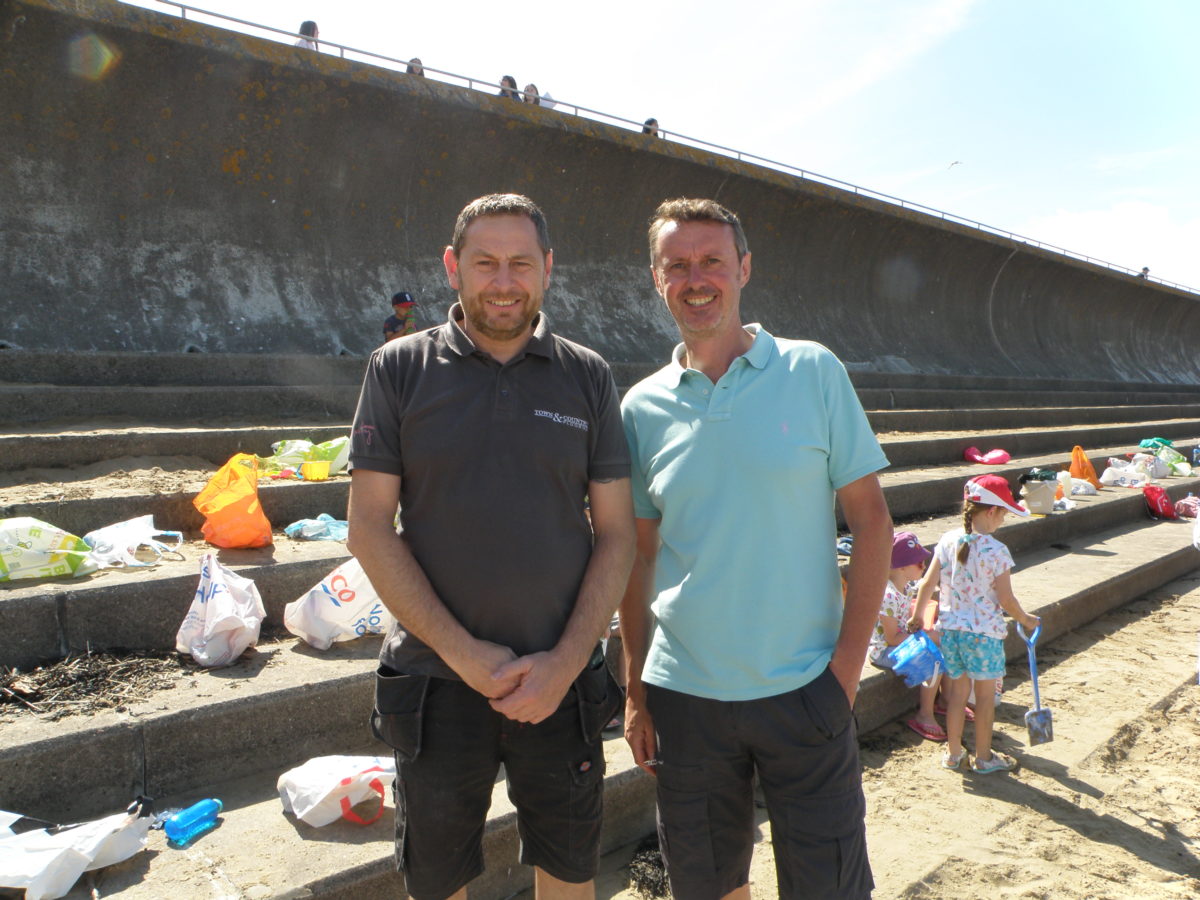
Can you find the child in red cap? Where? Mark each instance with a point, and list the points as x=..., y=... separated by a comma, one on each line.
x=908, y=565
x=972, y=568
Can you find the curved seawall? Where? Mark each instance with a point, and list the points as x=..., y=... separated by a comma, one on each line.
x=218, y=191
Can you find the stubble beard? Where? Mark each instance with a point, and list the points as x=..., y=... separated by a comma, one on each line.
x=476, y=312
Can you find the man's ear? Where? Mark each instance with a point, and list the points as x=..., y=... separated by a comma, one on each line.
x=658, y=285
x=549, y=266
x=744, y=273
x=450, y=261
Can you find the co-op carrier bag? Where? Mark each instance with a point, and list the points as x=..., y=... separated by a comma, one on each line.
x=340, y=607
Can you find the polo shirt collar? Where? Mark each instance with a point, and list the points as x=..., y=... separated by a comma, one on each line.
x=759, y=354
x=540, y=343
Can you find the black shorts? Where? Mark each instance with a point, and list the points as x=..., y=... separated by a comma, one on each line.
x=804, y=747
x=449, y=744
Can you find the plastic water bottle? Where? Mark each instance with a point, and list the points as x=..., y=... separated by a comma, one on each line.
x=1196, y=457
x=192, y=822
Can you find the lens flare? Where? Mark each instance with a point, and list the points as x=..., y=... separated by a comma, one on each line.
x=90, y=56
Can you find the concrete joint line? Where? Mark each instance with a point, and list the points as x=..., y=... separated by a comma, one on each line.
x=60, y=622
x=990, y=305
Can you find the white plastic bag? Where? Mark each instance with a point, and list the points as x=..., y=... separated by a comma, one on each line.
x=1153, y=465
x=46, y=862
x=341, y=607
x=326, y=788
x=1083, y=488
x=225, y=617
x=1196, y=534
x=117, y=545
x=1124, y=477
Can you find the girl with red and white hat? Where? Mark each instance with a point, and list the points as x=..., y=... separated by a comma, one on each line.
x=971, y=567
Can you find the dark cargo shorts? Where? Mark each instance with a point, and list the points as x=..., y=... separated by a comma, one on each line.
x=804, y=747
x=449, y=744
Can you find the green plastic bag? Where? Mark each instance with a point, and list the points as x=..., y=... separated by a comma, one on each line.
x=31, y=548
x=337, y=451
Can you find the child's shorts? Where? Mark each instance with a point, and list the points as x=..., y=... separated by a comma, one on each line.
x=978, y=655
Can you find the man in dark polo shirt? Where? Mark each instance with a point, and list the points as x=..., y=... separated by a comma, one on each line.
x=492, y=433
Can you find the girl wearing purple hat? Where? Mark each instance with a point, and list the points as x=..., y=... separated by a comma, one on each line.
x=908, y=565
x=971, y=568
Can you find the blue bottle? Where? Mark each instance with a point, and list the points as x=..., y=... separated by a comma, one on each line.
x=1196, y=457
x=192, y=822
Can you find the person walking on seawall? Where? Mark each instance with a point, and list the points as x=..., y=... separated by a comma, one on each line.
x=1145, y=273
x=309, y=35
x=402, y=320
x=650, y=127
x=490, y=431
x=415, y=67
x=740, y=655
x=532, y=96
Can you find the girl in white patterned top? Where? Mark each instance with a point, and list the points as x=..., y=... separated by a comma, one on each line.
x=972, y=568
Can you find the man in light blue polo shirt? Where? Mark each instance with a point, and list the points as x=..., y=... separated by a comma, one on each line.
x=742, y=656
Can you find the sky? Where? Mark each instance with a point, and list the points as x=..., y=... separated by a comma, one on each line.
x=1070, y=122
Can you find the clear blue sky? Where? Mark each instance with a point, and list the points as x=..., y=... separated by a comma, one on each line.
x=1071, y=121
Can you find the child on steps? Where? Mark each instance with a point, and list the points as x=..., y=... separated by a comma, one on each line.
x=891, y=627
x=972, y=568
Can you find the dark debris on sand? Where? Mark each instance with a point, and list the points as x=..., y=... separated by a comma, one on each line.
x=86, y=683
x=647, y=875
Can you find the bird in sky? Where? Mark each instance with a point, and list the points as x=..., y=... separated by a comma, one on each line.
x=957, y=162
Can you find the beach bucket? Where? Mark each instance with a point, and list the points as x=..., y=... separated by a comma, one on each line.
x=318, y=470
x=918, y=659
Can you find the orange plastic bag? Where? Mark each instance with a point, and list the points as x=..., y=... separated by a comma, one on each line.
x=229, y=503
x=1081, y=467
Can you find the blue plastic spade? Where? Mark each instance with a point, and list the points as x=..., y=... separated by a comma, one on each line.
x=1038, y=720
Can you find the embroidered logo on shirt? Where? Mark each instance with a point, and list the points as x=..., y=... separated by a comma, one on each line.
x=367, y=432
x=581, y=424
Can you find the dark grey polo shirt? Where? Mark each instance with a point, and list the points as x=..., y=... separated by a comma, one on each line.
x=494, y=463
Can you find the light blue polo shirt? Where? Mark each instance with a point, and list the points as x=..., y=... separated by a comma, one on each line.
x=742, y=475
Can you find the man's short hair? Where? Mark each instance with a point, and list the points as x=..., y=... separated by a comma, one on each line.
x=501, y=205
x=685, y=209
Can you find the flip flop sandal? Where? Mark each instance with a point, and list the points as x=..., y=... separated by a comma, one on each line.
x=999, y=762
x=932, y=732
x=941, y=711
x=953, y=762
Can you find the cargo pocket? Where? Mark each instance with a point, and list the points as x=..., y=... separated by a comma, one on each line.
x=599, y=696
x=826, y=704
x=685, y=829
x=399, y=703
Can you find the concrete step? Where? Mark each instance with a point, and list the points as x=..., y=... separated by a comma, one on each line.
x=936, y=398
x=274, y=403
x=87, y=402
x=920, y=449
x=1019, y=430
x=150, y=369
x=142, y=608
x=1067, y=585
x=156, y=749
x=76, y=446
x=913, y=491
x=341, y=860
x=277, y=706
x=79, y=507
x=918, y=420
x=181, y=369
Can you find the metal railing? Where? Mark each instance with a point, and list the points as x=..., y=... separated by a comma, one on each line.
x=391, y=62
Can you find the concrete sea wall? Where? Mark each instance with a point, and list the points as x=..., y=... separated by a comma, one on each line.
x=168, y=185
